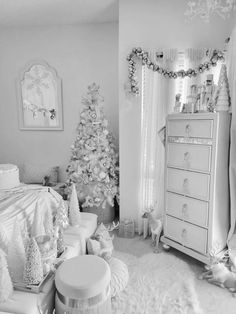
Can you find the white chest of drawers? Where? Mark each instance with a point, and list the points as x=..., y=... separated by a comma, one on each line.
x=196, y=216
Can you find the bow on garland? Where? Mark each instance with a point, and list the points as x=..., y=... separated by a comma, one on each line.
x=143, y=55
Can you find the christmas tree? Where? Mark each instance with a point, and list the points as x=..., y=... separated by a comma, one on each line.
x=74, y=211
x=6, y=288
x=16, y=254
x=60, y=243
x=223, y=97
x=33, y=271
x=62, y=215
x=94, y=162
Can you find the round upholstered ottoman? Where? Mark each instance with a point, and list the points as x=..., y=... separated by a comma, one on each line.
x=83, y=286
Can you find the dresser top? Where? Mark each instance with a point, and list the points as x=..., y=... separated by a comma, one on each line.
x=201, y=115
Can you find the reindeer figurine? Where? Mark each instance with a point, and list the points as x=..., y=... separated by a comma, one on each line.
x=219, y=274
x=156, y=227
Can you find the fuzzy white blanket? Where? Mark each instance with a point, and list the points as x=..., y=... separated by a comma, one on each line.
x=158, y=284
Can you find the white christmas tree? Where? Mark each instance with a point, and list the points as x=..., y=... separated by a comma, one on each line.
x=16, y=254
x=48, y=222
x=74, y=210
x=94, y=161
x=62, y=215
x=33, y=271
x=60, y=242
x=37, y=228
x=223, y=97
x=6, y=287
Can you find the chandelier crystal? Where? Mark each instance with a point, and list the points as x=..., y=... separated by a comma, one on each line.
x=206, y=8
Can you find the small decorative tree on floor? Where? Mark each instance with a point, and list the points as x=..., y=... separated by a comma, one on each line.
x=94, y=162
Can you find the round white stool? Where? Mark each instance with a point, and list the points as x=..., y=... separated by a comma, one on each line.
x=83, y=286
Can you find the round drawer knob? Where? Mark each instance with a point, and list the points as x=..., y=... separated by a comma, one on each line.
x=188, y=129
x=184, y=233
x=186, y=156
x=185, y=210
x=185, y=184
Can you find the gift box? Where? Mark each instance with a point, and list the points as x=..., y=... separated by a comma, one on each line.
x=126, y=228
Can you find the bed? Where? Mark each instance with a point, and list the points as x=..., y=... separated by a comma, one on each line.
x=20, y=203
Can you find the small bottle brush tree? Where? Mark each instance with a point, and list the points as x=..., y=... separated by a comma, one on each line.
x=223, y=95
x=74, y=211
x=33, y=271
x=94, y=162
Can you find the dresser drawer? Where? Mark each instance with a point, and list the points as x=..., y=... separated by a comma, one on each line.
x=189, y=183
x=190, y=128
x=187, y=209
x=189, y=156
x=186, y=234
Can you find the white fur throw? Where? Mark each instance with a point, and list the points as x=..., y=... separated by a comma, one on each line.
x=119, y=276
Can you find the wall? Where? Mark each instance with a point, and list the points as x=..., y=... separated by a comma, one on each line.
x=81, y=55
x=152, y=24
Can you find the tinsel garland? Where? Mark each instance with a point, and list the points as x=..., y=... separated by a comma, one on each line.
x=144, y=57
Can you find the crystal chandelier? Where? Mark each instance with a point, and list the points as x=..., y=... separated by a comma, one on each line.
x=205, y=8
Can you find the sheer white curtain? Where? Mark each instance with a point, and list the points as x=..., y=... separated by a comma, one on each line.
x=231, y=65
x=157, y=101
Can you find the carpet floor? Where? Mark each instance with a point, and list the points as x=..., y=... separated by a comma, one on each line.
x=212, y=299
x=151, y=288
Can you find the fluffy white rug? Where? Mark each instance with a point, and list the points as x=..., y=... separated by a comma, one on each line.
x=159, y=284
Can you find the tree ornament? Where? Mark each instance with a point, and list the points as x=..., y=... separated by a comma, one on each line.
x=37, y=228
x=6, y=287
x=16, y=254
x=74, y=210
x=33, y=271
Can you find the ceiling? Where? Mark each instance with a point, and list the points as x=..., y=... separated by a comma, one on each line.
x=56, y=12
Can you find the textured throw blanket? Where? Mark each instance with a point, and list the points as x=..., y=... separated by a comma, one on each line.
x=21, y=202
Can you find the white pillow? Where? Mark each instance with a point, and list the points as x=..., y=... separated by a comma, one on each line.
x=35, y=173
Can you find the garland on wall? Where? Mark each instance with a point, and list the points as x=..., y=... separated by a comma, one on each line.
x=144, y=57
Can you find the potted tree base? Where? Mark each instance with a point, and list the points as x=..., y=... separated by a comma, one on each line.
x=105, y=215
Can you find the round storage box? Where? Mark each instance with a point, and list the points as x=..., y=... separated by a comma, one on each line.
x=83, y=286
